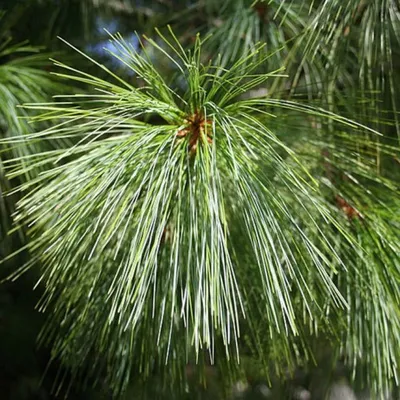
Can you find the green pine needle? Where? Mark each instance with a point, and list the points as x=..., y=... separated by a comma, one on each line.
x=179, y=218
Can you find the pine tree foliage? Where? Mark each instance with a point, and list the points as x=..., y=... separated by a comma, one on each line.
x=181, y=217
x=23, y=78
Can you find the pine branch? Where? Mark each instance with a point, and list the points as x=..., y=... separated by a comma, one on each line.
x=180, y=217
